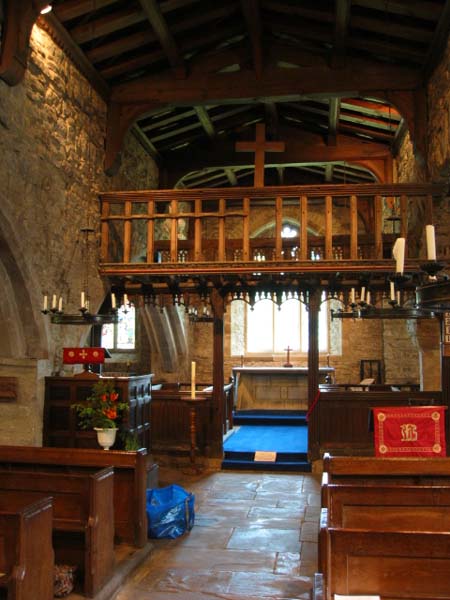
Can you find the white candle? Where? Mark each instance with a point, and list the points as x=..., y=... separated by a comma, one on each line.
x=113, y=300
x=45, y=302
x=392, y=288
x=398, y=252
x=352, y=296
x=368, y=298
x=431, y=243
x=125, y=300
x=192, y=379
x=398, y=298
x=83, y=300
x=363, y=294
x=54, y=301
x=60, y=304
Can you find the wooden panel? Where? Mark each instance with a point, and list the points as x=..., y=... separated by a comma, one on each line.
x=303, y=227
x=8, y=389
x=150, y=233
x=328, y=227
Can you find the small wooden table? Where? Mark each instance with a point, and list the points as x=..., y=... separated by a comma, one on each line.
x=193, y=403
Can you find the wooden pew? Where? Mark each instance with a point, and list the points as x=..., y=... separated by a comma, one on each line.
x=26, y=552
x=83, y=524
x=392, y=564
x=367, y=502
x=134, y=472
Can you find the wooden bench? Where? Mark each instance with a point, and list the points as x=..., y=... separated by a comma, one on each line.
x=26, y=552
x=392, y=564
x=83, y=524
x=374, y=510
x=134, y=472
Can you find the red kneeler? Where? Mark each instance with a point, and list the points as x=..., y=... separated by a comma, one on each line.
x=405, y=431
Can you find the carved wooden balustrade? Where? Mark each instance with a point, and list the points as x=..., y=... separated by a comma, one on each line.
x=225, y=230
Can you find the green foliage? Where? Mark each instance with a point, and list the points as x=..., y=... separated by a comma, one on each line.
x=102, y=408
x=130, y=441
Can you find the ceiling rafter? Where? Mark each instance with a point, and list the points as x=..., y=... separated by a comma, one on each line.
x=205, y=121
x=342, y=18
x=159, y=25
x=333, y=120
x=252, y=15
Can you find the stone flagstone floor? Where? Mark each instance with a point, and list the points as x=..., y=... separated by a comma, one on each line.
x=255, y=537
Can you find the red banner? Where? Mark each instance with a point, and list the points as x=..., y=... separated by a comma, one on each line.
x=73, y=356
x=405, y=431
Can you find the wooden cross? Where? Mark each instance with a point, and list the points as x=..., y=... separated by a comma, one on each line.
x=260, y=146
x=287, y=363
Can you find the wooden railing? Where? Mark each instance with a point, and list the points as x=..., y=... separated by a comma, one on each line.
x=244, y=225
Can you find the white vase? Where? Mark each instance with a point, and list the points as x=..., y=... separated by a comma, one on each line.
x=106, y=437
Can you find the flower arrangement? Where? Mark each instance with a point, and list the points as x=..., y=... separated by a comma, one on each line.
x=102, y=408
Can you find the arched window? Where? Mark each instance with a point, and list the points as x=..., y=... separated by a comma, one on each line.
x=121, y=335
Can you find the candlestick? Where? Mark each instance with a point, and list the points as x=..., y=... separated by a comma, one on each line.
x=193, y=380
x=431, y=243
x=352, y=296
x=83, y=300
x=60, y=306
x=368, y=298
x=45, y=307
x=398, y=252
x=392, y=288
x=54, y=301
x=363, y=294
x=113, y=301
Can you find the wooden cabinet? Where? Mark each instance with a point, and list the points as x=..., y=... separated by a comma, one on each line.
x=60, y=419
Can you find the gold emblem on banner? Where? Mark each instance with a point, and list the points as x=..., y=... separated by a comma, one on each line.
x=409, y=432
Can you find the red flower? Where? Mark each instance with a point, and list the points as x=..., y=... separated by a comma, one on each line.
x=111, y=413
x=104, y=398
x=114, y=397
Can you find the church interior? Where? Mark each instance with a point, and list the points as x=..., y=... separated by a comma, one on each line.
x=237, y=214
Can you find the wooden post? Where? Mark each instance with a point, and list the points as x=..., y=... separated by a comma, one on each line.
x=246, y=231
x=303, y=228
x=150, y=232
x=218, y=396
x=127, y=232
x=221, y=235
x=278, y=228
x=105, y=232
x=353, y=227
x=313, y=370
x=328, y=227
x=197, y=230
x=378, y=224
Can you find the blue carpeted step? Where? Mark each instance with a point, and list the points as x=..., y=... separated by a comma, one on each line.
x=289, y=442
x=245, y=465
x=272, y=417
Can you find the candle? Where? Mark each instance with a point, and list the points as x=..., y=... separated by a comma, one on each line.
x=368, y=298
x=125, y=300
x=431, y=244
x=45, y=303
x=83, y=300
x=352, y=296
x=113, y=300
x=392, y=288
x=192, y=379
x=60, y=304
x=54, y=301
x=363, y=294
x=398, y=252
x=398, y=298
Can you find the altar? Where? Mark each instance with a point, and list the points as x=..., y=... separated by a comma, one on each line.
x=273, y=388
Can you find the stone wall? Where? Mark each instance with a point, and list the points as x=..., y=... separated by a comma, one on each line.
x=52, y=139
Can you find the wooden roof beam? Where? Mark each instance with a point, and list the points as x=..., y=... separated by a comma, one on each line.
x=205, y=121
x=72, y=9
x=159, y=25
x=333, y=120
x=91, y=30
x=252, y=14
x=439, y=42
x=357, y=77
x=342, y=18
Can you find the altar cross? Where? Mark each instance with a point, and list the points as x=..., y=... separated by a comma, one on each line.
x=260, y=146
x=287, y=363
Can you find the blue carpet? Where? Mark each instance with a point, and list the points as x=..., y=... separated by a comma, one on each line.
x=285, y=434
x=272, y=438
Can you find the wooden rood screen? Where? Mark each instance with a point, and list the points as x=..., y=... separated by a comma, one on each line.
x=229, y=225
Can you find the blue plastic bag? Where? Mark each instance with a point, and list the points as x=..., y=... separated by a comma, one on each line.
x=170, y=511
